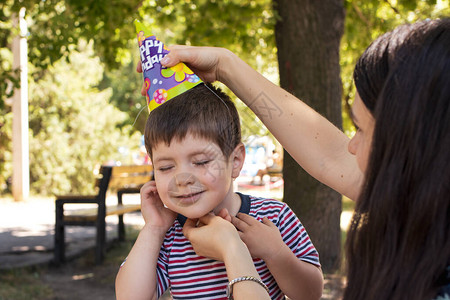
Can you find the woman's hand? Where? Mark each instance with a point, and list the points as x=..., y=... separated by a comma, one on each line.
x=206, y=62
x=213, y=238
x=153, y=210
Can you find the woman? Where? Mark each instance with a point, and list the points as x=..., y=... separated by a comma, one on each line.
x=397, y=164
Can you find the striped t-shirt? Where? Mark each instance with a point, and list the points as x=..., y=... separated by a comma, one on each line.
x=190, y=276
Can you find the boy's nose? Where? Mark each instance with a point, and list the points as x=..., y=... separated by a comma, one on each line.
x=184, y=179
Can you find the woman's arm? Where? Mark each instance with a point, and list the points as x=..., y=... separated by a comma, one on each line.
x=314, y=142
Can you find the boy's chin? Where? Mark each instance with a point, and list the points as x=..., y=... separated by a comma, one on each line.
x=194, y=215
x=185, y=212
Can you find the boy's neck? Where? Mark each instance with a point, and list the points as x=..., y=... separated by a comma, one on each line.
x=244, y=208
x=232, y=205
x=236, y=205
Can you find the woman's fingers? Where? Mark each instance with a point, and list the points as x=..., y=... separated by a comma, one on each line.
x=224, y=214
x=206, y=219
x=191, y=224
x=139, y=67
x=143, y=91
x=177, y=54
x=188, y=226
x=139, y=70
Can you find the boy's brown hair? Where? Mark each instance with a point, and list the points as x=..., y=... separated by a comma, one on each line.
x=198, y=111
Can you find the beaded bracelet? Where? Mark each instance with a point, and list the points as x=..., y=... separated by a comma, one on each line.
x=243, y=278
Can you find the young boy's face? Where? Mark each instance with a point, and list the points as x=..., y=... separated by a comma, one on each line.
x=193, y=177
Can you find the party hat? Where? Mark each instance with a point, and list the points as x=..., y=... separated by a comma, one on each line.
x=161, y=84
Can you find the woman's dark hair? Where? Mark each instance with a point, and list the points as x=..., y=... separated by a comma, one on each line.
x=204, y=111
x=398, y=245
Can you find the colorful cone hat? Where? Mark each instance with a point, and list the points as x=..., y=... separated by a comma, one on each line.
x=161, y=84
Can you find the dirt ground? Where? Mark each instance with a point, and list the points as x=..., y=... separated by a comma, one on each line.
x=81, y=279
x=334, y=286
x=87, y=287
x=71, y=284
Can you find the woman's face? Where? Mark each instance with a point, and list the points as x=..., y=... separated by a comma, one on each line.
x=361, y=142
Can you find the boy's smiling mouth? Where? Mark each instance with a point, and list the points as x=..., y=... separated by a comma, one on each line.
x=186, y=199
x=188, y=195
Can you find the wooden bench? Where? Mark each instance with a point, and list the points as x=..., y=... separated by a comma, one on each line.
x=120, y=179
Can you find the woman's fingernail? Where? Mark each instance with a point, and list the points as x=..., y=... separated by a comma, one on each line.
x=165, y=60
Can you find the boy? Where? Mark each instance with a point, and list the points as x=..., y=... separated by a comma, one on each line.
x=194, y=142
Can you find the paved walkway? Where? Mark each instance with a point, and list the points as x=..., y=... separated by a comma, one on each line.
x=27, y=230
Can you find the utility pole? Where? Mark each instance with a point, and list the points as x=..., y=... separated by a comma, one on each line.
x=20, y=152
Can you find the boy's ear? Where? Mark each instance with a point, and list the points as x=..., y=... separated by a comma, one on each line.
x=237, y=160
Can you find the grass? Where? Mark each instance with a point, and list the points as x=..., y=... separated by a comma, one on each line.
x=23, y=284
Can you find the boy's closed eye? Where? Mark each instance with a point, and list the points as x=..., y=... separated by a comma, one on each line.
x=197, y=163
x=164, y=168
x=202, y=162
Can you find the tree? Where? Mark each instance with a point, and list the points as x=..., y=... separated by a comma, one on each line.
x=73, y=127
x=308, y=36
x=245, y=27
x=368, y=19
x=56, y=27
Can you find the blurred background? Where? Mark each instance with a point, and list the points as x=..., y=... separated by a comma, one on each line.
x=80, y=94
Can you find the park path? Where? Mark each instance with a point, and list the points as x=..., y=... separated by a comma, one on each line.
x=27, y=230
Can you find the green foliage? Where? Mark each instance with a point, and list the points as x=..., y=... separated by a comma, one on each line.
x=244, y=27
x=8, y=76
x=56, y=26
x=368, y=19
x=73, y=128
x=5, y=149
x=23, y=284
x=126, y=84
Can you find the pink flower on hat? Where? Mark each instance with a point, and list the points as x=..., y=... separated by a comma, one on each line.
x=160, y=96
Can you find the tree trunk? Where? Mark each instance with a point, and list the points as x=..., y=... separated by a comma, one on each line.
x=308, y=35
